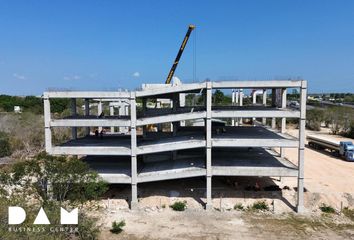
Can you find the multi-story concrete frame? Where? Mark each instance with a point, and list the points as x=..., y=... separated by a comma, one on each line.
x=144, y=149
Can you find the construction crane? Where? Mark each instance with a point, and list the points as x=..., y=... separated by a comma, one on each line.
x=181, y=49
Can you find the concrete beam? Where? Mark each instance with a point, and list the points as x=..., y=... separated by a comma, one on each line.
x=84, y=94
x=257, y=84
x=255, y=113
x=171, y=118
x=170, y=89
x=95, y=122
x=90, y=150
x=170, y=146
x=232, y=142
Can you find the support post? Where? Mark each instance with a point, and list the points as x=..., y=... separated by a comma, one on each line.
x=99, y=111
x=208, y=131
x=182, y=103
x=274, y=104
x=47, y=119
x=144, y=112
x=87, y=113
x=254, y=97
x=264, y=120
x=175, y=104
x=283, y=120
x=233, y=103
x=111, y=112
x=241, y=104
x=302, y=121
x=73, y=113
x=133, y=145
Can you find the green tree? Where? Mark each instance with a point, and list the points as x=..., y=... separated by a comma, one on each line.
x=314, y=118
x=60, y=178
x=5, y=149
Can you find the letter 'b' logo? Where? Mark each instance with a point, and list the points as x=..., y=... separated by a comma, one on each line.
x=17, y=215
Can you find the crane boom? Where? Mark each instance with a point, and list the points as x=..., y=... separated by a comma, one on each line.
x=181, y=49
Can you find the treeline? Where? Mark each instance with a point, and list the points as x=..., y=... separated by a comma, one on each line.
x=339, y=119
x=31, y=104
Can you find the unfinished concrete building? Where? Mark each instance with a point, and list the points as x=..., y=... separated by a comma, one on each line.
x=128, y=139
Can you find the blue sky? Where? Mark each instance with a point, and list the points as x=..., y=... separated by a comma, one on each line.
x=105, y=45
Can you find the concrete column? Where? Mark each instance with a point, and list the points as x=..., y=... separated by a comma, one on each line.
x=241, y=104
x=264, y=99
x=87, y=113
x=126, y=113
x=174, y=125
x=283, y=120
x=254, y=101
x=111, y=112
x=133, y=145
x=182, y=103
x=99, y=111
x=208, y=131
x=274, y=99
x=159, y=125
x=302, y=122
x=47, y=119
x=73, y=113
x=237, y=96
x=254, y=97
x=144, y=111
x=175, y=104
x=233, y=103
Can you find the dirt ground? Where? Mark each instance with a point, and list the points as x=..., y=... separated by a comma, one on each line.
x=328, y=180
x=195, y=224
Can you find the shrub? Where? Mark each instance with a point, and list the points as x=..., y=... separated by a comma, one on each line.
x=327, y=209
x=260, y=205
x=117, y=227
x=179, y=206
x=70, y=178
x=349, y=213
x=5, y=149
x=314, y=119
x=238, y=206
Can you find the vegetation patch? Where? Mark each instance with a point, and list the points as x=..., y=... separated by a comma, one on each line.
x=26, y=184
x=5, y=149
x=238, y=206
x=260, y=206
x=179, y=206
x=327, y=209
x=349, y=213
x=117, y=227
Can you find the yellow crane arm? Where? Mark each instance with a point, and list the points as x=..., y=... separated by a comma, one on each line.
x=179, y=54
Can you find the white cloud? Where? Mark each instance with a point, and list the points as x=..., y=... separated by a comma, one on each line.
x=136, y=74
x=19, y=76
x=72, y=77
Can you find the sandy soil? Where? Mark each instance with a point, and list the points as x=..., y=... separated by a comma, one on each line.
x=328, y=179
x=192, y=224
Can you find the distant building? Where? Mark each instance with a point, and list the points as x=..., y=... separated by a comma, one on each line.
x=17, y=109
